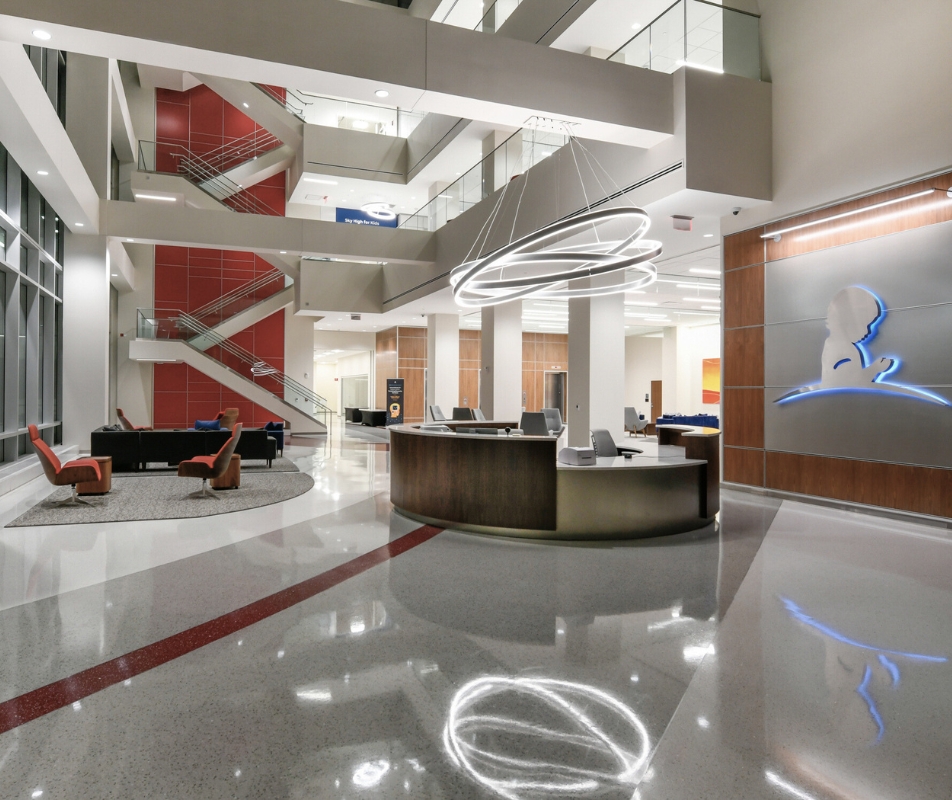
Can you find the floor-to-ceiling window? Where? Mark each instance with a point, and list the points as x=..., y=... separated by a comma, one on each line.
x=31, y=314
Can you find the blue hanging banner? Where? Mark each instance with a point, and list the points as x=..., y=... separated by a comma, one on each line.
x=355, y=216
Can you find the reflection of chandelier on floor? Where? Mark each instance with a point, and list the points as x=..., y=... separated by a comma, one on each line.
x=545, y=269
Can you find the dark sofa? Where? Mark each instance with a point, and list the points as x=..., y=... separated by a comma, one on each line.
x=133, y=449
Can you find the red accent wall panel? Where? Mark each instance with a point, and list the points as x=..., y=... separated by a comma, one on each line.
x=185, y=279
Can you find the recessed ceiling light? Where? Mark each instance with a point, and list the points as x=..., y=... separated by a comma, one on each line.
x=130, y=240
x=708, y=235
x=284, y=252
x=115, y=274
x=382, y=93
x=42, y=35
x=320, y=180
x=79, y=225
x=700, y=271
x=166, y=198
x=245, y=105
x=42, y=172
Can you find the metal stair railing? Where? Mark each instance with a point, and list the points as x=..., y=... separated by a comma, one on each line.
x=292, y=102
x=214, y=313
x=196, y=171
x=175, y=324
x=238, y=151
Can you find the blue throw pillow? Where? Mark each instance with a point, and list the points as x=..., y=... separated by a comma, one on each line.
x=207, y=425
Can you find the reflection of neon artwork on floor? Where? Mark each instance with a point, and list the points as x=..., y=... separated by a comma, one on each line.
x=882, y=654
x=853, y=319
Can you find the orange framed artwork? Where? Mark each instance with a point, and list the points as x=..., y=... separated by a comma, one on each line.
x=711, y=381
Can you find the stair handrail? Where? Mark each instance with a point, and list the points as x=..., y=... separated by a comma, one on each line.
x=203, y=175
x=256, y=284
x=298, y=110
x=251, y=145
x=259, y=367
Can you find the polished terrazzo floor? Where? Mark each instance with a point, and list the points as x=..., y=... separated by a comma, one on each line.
x=790, y=651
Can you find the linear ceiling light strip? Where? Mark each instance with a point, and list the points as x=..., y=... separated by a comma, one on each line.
x=854, y=212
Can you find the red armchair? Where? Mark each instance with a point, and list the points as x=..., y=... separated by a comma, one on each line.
x=208, y=467
x=128, y=426
x=69, y=474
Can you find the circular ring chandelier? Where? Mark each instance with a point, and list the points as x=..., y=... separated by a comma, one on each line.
x=378, y=210
x=481, y=282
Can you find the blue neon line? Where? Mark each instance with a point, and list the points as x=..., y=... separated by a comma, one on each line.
x=842, y=361
x=863, y=691
x=891, y=668
x=799, y=614
x=923, y=395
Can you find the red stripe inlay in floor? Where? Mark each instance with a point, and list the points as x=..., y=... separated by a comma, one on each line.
x=32, y=705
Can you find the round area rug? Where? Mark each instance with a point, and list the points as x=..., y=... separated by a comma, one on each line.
x=166, y=497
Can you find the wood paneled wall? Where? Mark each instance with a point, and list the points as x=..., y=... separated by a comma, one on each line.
x=385, y=365
x=925, y=490
x=470, y=363
x=401, y=353
x=541, y=353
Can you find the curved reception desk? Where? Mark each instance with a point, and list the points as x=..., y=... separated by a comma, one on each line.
x=514, y=485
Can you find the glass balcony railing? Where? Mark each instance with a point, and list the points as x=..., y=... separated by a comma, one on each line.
x=155, y=323
x=699, y=34
x=334, y=113
x=522, y=150
x=479, y=15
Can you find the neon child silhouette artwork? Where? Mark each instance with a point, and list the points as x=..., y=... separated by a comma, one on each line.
x=853, y=319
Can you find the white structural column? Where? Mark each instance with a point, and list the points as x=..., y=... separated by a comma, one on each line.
x=596, y=391
x=676, y=371
x=501, y=163
x=500, y=386
x=86, y=378
x=442, y=362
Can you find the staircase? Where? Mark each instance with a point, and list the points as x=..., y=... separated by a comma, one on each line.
x=225, y=173
x=243, y=307
x=170, y=335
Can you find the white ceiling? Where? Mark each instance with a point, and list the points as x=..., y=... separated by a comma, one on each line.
x=608, y=24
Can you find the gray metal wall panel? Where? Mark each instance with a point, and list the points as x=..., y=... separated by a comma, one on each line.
x=904, y=269
x=912, y=273
x=921, y=338
x=862, y=426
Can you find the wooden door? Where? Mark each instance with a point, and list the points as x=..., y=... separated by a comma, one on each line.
x=655, y=401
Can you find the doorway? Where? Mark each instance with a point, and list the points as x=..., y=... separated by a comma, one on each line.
x=555, y=391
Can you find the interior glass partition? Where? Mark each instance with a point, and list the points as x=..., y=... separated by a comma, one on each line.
x=698, y=34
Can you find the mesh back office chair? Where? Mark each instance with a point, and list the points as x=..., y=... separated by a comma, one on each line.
x=463, y=414
x=436, y=414
x=533, y=423
x=605, y=446
x=553, y=419
x=633, y=422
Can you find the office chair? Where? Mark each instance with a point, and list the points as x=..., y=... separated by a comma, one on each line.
x=436, y=414
x=633, y=422
x=463, y=414
x=605, y=446
x=478, y=415
x=533, y=423
x=553, y=419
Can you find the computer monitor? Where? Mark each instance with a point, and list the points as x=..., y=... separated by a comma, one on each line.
x=533, y=423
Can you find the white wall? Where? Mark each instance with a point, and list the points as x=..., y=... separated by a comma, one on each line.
x=326, y=385
x=298, y=348
x=683, y=350
x=642, y=366
x=860, y=98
